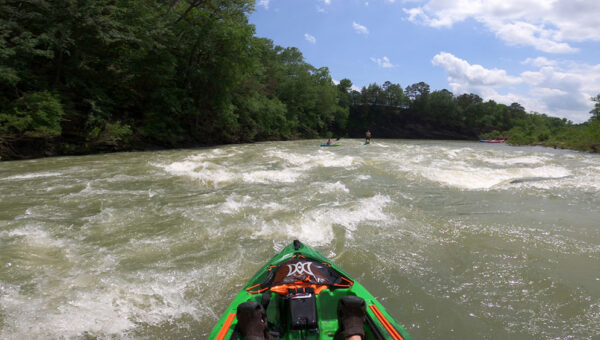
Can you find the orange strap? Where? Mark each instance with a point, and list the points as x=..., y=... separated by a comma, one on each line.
x=388, y=327
x=256, y=285
x=226, y=326
x=350, y=283
x=283, y=289
x=258, y=291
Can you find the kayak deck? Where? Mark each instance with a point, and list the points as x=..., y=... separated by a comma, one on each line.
x=298, y=258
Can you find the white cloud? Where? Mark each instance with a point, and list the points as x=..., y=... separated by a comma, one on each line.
x=383, y=62
x=360, y=28
x=264, y=3
x=522, y=33
x=548, y=26
x=311, y=39
x=461, y=72
x=321, y=9
x=558, y=88
x=539, y=62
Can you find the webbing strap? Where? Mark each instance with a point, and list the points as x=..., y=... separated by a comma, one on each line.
x=388, y=326
x=225, y=327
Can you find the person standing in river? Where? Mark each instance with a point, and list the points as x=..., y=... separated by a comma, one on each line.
x=368, y=137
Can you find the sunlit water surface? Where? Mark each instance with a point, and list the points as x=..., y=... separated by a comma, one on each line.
x=457, y=239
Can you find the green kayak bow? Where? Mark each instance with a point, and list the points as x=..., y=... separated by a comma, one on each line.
x=300, y=290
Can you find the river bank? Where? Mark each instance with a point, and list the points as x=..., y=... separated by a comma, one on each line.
x=34, y=150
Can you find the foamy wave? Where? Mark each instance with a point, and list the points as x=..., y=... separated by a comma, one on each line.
x=92, y=313
x=198, y=167
x=273, y=207
x=319, y=159
x=266, y=176
x=525, y=160
x=215, y=154
x=235, y=203
x=36, y=236
x=33, y=175
x=587, y=178
x=290, y=157
x=207, y=173
x=332, y=187
x=104, y=309
x=465, y=178
x=85, y=297
x=367, y=209
x=461, y=153
x=316, y=226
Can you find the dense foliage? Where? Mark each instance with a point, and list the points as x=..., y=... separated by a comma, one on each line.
x=81, y=76
x=418, y=113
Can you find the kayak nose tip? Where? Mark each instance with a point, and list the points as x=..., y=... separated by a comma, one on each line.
x=297, y=245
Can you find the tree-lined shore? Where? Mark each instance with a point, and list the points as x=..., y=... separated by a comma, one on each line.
x=419, y=113
x=83, y=76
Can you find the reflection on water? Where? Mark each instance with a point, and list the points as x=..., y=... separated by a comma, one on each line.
x=457, y=239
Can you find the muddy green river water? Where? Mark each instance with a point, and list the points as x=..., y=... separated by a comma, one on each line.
x=458, y=240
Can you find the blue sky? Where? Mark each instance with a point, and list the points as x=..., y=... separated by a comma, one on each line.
x=543, y=54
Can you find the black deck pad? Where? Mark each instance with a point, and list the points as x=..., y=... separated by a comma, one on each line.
x=305, y=270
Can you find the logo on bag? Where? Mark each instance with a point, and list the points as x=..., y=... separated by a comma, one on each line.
x=300, y=268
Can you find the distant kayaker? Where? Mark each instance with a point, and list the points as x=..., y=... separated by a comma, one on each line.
x=368, y=136
x=329, y=141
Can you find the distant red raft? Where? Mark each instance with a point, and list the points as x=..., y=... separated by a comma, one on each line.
x=492, y=140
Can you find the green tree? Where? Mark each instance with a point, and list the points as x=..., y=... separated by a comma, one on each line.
x=465, y=100
x=444, y=108
x=417, y=90
x=373, y=95
x=394, y=94
x=34, y=115
x=596, y=110
x=345, y=89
